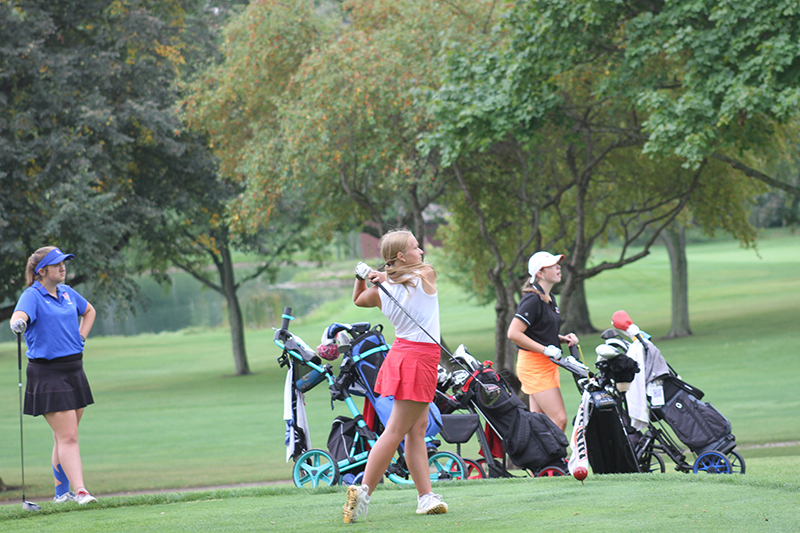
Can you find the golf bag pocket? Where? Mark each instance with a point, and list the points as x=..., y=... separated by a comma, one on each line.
x=446, y=403
x=459, y=428
x=696, y=423
x=535, y=441
x=342, y=443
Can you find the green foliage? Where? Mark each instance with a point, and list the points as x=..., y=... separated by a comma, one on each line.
x=324, y=108
x=579, y=82
x=736, y=72
x=235, y=101
x=91, y=146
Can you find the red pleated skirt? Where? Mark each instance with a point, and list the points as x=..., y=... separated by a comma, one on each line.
x=409, y=371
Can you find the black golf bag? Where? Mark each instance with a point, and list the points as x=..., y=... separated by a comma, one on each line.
x=531, y=440
x=608, y=446
x=696, y=423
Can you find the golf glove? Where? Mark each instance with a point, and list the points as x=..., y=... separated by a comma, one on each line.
x=19, y=326
x=552, y=351
x=362, y=270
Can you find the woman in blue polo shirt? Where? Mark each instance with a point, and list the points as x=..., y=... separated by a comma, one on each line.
x=56, y=321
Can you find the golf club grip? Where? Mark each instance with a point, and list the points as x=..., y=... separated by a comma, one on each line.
x=19, y=352
x=573, y=351
x=287, y=312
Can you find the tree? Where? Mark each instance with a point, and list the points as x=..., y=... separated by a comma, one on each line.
x=201, y=235
x=233, y=103
x=731, y=78
x=580, y=178
x=96, y=157
x=329, y=109
x=496, y=216
x=87, y=126
x=563, y=68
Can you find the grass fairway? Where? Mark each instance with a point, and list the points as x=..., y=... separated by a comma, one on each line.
x=612, y=503
x=169, y=415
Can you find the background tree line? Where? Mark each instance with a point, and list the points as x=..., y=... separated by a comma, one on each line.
x=144, y=135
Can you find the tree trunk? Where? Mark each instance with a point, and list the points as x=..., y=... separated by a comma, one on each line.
x=674, y=237
x=500, y=309
x=418, y=222
x=572, y=298
x=574, y=311
x=503, y=357
x=234, y=313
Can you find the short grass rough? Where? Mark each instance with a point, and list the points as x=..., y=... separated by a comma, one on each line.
x=610, y=503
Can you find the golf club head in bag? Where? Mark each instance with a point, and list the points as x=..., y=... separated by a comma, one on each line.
x=606, y=351
x=489, y=393
x=623, y=322
x=465, y=360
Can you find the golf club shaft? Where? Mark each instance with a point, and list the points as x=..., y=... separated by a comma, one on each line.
x=21, y=441
x=414, y=320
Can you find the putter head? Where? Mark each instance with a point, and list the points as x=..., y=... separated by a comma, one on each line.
x=29, y=506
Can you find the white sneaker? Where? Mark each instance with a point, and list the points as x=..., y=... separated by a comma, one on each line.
x=83, y=497
x=66, y=497
x=431, y=504
x=356, y=504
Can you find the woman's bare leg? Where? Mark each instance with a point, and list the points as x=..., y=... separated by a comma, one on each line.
x=416, y=453
x=66, y=450
x=405, y=413
x=551, y=403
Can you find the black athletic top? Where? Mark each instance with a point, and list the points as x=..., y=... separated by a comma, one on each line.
x=543, y=320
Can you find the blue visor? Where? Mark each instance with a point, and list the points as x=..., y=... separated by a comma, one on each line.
x=53, y=258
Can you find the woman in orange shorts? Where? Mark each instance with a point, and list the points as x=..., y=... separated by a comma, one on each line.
x=409, y=372
x=535, y=331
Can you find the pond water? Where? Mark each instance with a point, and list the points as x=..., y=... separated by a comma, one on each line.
x=187, y=303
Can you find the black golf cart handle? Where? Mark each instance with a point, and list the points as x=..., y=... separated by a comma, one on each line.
x=287, y=316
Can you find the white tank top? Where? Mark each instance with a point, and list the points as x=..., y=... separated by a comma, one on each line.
x=422, y=306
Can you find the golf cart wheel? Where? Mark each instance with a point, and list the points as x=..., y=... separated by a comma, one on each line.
x=712, y=463
x=551, y=471
x=737, y=462
x=474, y=469
x=446, y=466
x=652, y=462
x=315, y=468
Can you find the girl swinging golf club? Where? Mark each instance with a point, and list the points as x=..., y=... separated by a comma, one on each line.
x=409, y=372
x=56, y=321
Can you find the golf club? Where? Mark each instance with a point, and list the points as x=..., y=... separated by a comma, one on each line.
x=26, y=505
x=491, y=393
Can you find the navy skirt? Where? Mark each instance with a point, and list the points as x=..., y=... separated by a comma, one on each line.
x=56, y=385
